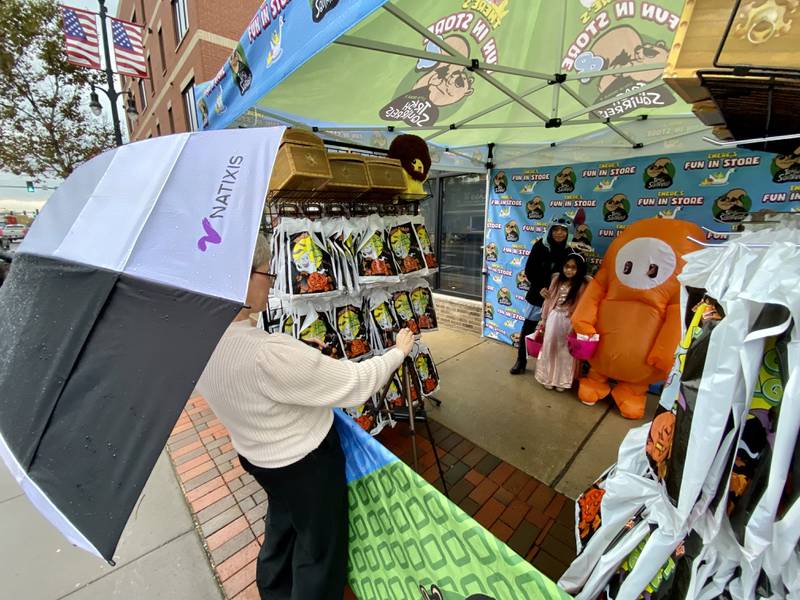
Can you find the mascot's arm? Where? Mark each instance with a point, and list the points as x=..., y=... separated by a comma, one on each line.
x=584, y=319
x=662, y=354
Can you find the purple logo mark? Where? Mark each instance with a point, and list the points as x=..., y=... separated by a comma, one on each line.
x=211, y=236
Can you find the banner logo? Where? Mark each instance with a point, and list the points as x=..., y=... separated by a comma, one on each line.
x=564, y=181
x=320, y=8
x=616, y=209
x=659, y=174
x=732, y=206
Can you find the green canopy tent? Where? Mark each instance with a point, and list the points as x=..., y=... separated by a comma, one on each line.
x=542, y=82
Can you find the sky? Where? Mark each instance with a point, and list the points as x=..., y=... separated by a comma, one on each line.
x=13, y=193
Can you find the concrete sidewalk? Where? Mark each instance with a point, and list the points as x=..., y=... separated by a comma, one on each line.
x=160, y=554
x=546, y=434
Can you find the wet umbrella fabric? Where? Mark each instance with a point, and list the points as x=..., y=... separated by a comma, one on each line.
x=115, y=301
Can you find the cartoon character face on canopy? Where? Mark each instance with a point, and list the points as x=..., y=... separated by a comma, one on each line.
x=638, y=290
x=512, y=231
x=624, y=47
x=732, y=207
x=306, y=255
x=535, y=208
x=447, y=83
x=565, y=181
x=522, y=281
x=659, y=174
x=491, y=252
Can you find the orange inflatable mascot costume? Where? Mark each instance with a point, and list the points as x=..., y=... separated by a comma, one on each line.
x=633, y=304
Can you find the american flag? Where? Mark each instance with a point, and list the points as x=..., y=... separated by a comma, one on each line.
x=80, y=35
x=128, y=48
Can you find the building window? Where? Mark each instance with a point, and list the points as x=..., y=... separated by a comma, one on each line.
x=171, y=120
x=150, y=72
x=161, y=51
x=158, y=128
x=142, y=94
x=180, y=19
x=455, y=220
x=190, y=107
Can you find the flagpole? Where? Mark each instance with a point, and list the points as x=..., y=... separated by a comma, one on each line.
x=111, y=92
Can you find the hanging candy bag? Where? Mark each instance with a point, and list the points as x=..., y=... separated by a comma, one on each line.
x=401, y=302
x=425, y=246
x=311, y=265
x=375, y=260
x=316, y=330
x=384, y=322
x=422, y=303
x=348, y=316
x=405, y=246
x=427, y=374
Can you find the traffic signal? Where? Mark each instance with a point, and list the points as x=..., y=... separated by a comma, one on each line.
x=30, y=186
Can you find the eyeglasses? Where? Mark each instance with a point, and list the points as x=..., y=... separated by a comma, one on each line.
x=271, y=276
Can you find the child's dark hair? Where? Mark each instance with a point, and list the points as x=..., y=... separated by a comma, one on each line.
x=577, y=281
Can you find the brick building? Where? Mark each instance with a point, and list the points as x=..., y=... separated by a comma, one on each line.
x=186, y=42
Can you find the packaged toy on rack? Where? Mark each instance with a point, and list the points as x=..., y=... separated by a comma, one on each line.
x=405, y=246
x=375, y=259
x=426, y=370
x=431, y=263
x=422, y=303
x=385, y=324
x=348, y=315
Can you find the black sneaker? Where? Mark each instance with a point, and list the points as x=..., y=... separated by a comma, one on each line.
x=519, y=367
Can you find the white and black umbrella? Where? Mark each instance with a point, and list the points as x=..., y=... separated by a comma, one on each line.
x=114, y=304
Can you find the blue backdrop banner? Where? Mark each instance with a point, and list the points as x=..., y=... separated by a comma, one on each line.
x=713, y=189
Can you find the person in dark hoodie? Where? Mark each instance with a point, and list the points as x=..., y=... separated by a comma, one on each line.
x=546, y=258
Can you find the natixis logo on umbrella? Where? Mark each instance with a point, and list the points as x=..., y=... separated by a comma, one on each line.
x=223, y=196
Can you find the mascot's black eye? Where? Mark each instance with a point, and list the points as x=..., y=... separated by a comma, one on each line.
x=628, y=268
x=652, y=271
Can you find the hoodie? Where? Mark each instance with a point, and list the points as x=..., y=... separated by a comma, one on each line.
x=546, y=258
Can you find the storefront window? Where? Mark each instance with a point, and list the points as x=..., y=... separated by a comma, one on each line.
x=459, y=233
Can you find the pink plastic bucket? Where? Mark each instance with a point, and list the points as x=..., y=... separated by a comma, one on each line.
x=581, y=349
x=533, y=345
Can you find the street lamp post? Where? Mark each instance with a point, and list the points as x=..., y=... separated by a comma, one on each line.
x=111, y=92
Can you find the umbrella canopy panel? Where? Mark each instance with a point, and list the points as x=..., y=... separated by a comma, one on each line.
x=461, y=74
x=101, y=344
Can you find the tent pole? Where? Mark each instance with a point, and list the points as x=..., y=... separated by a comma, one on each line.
x=632, y=69
x=423, y=31
x=367, y=44
x=591, y=108
x=557, y=66
x=680, y=135
x=486, y=111
x=608, y=124
x=484, y=271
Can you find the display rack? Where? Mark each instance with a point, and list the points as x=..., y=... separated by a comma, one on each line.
x=321, y=203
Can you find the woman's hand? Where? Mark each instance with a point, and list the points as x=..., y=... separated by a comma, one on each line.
x=544, y=293
x=405, y=341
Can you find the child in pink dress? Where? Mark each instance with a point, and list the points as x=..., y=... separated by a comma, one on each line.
x=556, y=368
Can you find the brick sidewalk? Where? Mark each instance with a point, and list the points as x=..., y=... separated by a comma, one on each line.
x=229, y=505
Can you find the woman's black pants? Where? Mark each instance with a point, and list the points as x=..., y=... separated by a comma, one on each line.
x=304, y=554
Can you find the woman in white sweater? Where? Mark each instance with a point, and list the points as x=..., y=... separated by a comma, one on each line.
x=275, y=394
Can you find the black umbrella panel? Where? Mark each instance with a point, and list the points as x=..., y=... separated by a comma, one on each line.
x=114, y=303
